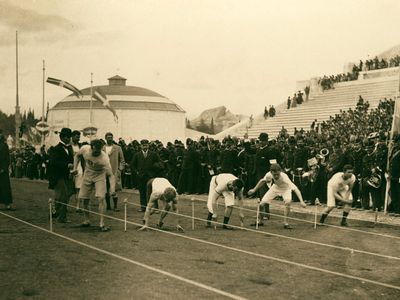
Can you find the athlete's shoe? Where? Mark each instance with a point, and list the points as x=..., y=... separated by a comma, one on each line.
x=104, y=228
x=226, y=227
x=287, y=226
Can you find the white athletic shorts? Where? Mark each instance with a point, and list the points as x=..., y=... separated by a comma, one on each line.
x=274, y=192
x=89, y=185
x=331, y=201
x=213, y=197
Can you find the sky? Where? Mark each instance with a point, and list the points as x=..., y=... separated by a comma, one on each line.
x=244, y=54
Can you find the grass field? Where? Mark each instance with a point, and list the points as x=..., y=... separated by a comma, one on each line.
x=36, y=264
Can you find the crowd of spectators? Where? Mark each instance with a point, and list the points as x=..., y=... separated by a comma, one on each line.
x=376, y=63
x=328, y=82
x=357, y=136
x=29, y=162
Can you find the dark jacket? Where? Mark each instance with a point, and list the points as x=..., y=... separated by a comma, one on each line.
x=58, y=163
x=148, y=166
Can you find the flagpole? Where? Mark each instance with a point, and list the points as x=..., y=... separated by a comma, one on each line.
x=44, y=74
x=91, y=106
x=91, y=99
x=17, y=109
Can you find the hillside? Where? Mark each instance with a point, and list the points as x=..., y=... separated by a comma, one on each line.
x=219, y=117
x=392, y=52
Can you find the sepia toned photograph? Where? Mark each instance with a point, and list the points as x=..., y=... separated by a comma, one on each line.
x=199, y=149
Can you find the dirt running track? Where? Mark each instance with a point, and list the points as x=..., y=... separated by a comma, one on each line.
x=35, y=264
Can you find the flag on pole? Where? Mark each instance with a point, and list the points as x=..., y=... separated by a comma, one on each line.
x=66, y=85
x=103, y=100
x=396, y=118
x=394, y=130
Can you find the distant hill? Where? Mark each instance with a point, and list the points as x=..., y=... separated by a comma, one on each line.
x=390, y=52
x=218, y=119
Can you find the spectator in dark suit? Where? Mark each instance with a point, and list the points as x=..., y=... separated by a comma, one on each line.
x=60, y=166
x=145, y=164
x=5, y=187
x=187, y=180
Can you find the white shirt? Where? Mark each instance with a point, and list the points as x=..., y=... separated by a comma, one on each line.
x=108, y=149
x=222, y=180
x=338, y=184
x=96, y=166
x=283, y=183
x=159, y=185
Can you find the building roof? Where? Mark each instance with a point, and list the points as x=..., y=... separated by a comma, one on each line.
x=120, y=96
x=116, y=77
x=122, y=90
x=118, y=105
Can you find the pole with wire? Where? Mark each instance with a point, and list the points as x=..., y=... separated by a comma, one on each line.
x=192, y=200
x=51, y=213
x=125, y=212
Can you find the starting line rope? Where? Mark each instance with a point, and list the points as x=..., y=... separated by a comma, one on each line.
x=313, y=222
x=284, y=261
x=189, y=281
x=281, y=236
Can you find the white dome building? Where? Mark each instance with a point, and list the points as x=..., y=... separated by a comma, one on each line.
x=142, y=114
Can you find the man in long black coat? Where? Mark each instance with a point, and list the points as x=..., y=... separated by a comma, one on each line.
x=145, y=164
x=60, y=178
x=5, y=186
x=262, y=164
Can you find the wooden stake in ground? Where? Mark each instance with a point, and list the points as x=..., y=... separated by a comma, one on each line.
x=315, y=215
x=51, y=213
x=125, y=213
x=192, y=199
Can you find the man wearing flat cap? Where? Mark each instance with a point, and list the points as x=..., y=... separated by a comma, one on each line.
x=144, y=163
x=60, y=179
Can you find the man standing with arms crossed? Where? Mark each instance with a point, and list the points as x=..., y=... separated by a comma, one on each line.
x=117, y=163
x=97, y=168
x=339, y=189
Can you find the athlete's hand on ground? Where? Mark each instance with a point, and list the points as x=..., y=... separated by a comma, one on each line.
x=303, y=204
x=251, y=192
x=179, y=228
x=143, y=228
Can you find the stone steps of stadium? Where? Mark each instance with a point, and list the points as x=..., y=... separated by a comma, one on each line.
x=323, y=105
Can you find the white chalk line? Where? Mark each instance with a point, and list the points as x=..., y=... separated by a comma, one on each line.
x=325, y=225
x=264, y=256
x=281, y=260
x=284, y=236
x=189, y=281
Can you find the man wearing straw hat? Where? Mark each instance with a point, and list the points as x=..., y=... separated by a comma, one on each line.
x=160, y=189
x=282, y=187
x=228, y=186
x=339, y=189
